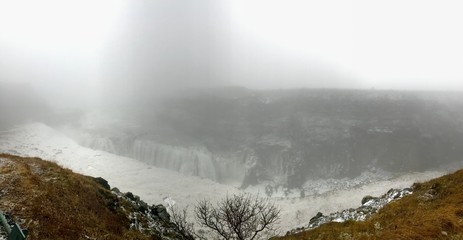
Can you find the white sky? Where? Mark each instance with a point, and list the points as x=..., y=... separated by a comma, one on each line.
x=56, y=45
x=407, y=44
x=414, y=44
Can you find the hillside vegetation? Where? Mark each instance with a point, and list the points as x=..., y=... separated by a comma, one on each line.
x=433, y=211
x=55, y=203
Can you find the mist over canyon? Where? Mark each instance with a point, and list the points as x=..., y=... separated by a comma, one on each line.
x=310, y=150
x=312, y=105
x=282, y=137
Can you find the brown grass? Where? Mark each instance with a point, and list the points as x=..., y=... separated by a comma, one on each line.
x=56, y=203
x=433, y=211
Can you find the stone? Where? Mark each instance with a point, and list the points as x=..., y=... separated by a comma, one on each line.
x=316, y=217
x=162, y=213
x=102, y=182
x=143, y=207
x=130, y=196
x=367, y=199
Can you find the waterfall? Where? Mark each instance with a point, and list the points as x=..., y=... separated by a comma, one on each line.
x=193, y=161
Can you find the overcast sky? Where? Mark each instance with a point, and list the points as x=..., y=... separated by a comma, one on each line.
x=82, y=48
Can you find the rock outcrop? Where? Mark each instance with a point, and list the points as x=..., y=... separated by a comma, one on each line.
x=370, y=206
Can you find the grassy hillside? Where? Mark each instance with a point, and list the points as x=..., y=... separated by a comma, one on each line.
x=55, y=203
x=433, y=211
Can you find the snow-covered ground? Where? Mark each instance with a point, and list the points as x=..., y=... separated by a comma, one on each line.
x=153, y=184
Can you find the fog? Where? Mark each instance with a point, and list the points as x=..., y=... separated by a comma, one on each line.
x=312, y=103
x=79, y=53
x=79, y=60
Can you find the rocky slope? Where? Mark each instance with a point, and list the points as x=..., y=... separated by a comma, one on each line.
x=55, y=203
x=432, y=211
x=370, y=206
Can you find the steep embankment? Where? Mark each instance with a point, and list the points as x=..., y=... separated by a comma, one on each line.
x=433, y=211
x=55, y=203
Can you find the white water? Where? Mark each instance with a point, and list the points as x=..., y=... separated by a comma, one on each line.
x=151, y=183
x=154, y=184
x=191, y=161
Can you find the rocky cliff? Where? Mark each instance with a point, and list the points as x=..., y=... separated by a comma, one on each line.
x=290, y=136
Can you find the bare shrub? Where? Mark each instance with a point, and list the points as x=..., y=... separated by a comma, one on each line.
x=179, y=218
x=241, y=216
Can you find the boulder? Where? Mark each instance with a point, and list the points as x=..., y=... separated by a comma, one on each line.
x=142, y=206
x=130, y=196
x=367, y=199
x=161, y=212
x=102, y=182
x=316, y=217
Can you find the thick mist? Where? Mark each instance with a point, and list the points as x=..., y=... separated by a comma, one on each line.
x=165, y=46
x=122, y=53
x=267, y=88
x=314, y=104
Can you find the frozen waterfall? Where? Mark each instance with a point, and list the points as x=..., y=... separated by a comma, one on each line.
x=194, y=161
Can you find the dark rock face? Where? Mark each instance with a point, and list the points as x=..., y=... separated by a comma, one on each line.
x=116, y=190
x=102, y=182
x=130, y=196
x=367, y=198
x=316, y=218
x=293, y=135
x=143, y=207
x=161, y=212
x=322, y=133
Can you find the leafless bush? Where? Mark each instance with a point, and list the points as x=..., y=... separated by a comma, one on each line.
x=179, y=218
x=241, y=216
